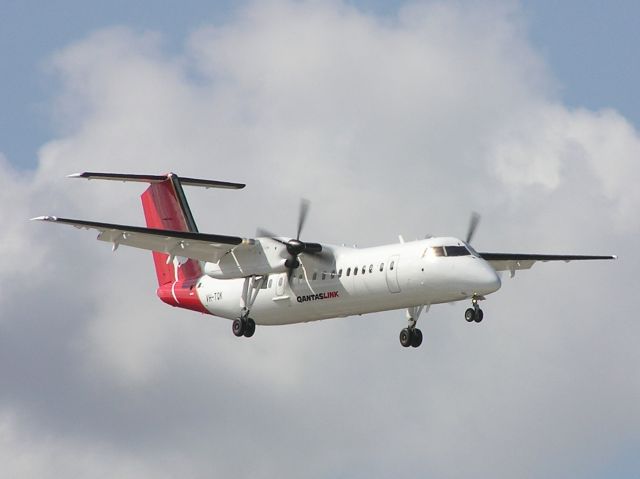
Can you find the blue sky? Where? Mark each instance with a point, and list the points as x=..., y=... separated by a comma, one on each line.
x=590, y=46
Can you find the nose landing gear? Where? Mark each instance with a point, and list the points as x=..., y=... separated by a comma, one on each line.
x=474, y=313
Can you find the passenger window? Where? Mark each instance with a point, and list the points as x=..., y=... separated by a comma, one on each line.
x=300, y=277
x=391, y=265
x=270, y=283
x=355, y=271
x=364, y=269
x=333, y=274
x=381, y=266
x=324, y=275
x=280, y=281
x=370, y=268
x=348, y=271
x=315, y=275
x=340, y=273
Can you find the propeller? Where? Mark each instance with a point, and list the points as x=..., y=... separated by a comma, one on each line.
x=302, y=215
x=295, y=247
x=473, y=224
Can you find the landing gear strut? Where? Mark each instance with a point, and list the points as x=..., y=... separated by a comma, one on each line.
x=474, y=313
x=244, y=325
x=412, y=336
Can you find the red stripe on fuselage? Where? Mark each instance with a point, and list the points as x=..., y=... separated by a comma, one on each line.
x=182, y=295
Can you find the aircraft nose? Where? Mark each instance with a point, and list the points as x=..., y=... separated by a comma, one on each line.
x=488, y=280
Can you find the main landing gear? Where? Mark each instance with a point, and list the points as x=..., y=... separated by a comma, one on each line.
x=474, y=313
x=412, y=336
x=244, y=325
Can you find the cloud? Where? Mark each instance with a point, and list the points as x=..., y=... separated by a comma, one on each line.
x=390, y=126
x=551, y=145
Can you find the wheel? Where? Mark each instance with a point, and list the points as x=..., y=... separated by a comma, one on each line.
x=470, y=315
x=405, y=337
x=416, y=338
x=238, y=327
x=478, y=316
x=250, y=328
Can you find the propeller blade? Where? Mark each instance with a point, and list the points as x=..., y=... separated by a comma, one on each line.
x=473, y=224
x=289, y=275
x=262, y=233
x=295, y=247
x=312, y=248
x=302, y=217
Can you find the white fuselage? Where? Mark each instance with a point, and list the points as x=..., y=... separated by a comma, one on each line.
x=396, y=276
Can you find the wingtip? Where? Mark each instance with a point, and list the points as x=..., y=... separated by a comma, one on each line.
x=75, y=175
x=44, y=218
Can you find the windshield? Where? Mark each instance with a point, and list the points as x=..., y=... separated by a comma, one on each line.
x=434, y=251
x=457, y=251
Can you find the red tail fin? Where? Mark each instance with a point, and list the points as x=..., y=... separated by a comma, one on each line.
x=165, y=207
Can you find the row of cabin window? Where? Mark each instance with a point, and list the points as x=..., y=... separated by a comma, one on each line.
x=348, y=272
x=333, y=274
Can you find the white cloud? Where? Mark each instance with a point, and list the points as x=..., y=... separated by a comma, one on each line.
x=389, y=126
x=551, y=145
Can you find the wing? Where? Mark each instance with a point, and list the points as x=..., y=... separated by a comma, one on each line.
x=512, y=262
x=198, y=246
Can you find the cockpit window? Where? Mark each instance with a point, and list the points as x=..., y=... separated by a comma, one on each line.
x=434, y=251
x=457, y=251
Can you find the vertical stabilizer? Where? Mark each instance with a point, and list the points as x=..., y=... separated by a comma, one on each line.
x=165, y=207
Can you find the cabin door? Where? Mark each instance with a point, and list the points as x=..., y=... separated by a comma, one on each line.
x=392, y=274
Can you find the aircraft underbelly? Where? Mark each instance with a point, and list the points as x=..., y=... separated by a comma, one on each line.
x=221, y=298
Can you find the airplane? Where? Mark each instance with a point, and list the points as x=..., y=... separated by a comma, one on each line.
x=276, y=280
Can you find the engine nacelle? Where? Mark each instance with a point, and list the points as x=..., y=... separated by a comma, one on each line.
x=230, y=269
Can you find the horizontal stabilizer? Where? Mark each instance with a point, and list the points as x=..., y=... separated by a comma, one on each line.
x=157, y=179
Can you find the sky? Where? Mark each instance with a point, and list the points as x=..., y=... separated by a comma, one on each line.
x=589, y=45
x=393, y=118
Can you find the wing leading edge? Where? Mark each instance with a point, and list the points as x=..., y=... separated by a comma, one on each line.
x=515, y=261
x=198, y=246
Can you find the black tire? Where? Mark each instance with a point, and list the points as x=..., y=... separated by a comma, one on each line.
x=250, y=328
x=238, y=327
x=416, y=338
x=405, y=337
x=479, y=316
x=470, y=315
